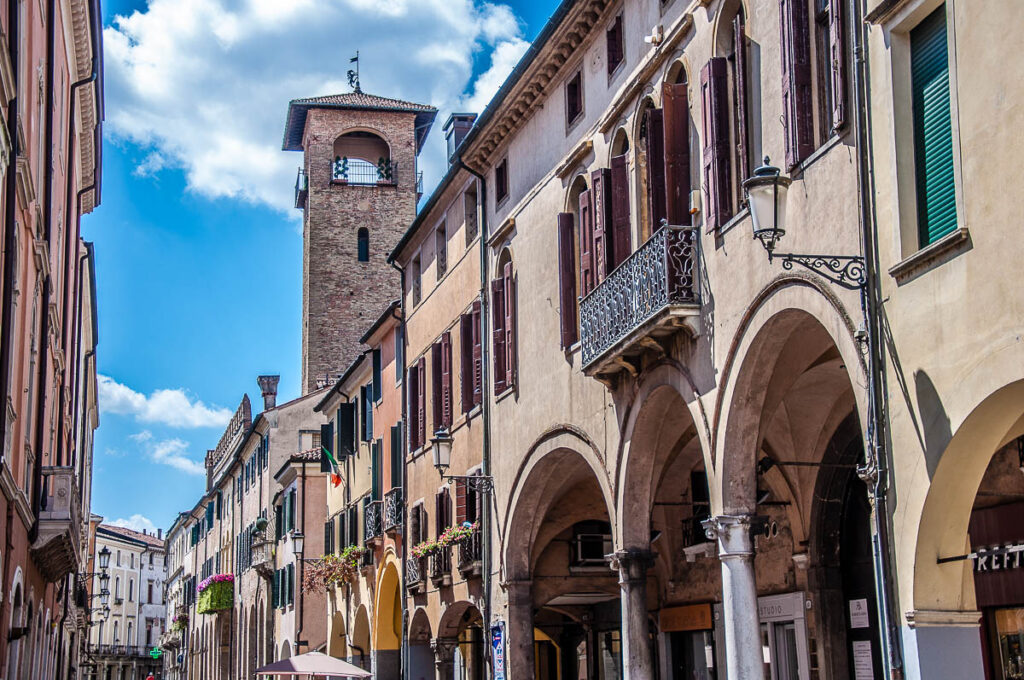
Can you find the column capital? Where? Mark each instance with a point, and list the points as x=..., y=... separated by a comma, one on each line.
x=733, y=533
x=632, y=564
x=444, y=650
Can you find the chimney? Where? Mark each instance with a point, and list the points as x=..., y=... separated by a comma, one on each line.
x=160, y=533
x=268, y=385
x=455, y=131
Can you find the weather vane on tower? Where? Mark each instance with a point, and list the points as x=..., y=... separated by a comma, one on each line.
x=353, y=74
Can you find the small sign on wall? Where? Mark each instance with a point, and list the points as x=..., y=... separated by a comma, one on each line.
x=498, y=650
x=860, y=615
x=863, y=666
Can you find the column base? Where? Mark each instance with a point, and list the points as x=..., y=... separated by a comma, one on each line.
x=938, y=645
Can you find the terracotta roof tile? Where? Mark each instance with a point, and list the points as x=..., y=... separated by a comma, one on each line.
x=133, y=535
x=297, y=109
x=362, y=100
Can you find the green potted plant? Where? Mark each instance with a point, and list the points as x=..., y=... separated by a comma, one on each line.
x=216, y=593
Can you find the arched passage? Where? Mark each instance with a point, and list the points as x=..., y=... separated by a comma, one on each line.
x=790, y=442
x=336, y=637
x=559, y=534
x=421, y=657
x=387, y=628
x=359, y=642
x=460, y=638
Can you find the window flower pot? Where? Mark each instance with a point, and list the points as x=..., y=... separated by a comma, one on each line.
x=216, y=593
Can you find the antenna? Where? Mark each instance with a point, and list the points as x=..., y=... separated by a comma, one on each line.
x=353, y=74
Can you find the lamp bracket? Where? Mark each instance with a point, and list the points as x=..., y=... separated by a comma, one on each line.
x=479, y=483
x=843, y=270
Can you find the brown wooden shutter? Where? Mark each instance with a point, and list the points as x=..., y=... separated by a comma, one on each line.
x=619, y=243
x=614, y=37
x=421, y=402
x=436, y=379
x=587, y=274
x=439, y=525
x=510, y=326
x=414, y=525
x=714, y=83
x=498, y=322
x=656, y=167
x=600, y=180
x=739, y=33
x=837, y=58
x=466, y=360
x=796, y=81
x=675, y=101
x=446, y=379
x=460, y=501
x=478, y=357
x=567, y=278
x=414, y=400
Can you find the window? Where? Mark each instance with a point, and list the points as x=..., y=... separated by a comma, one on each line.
x=131, y=590
x=366, y=395
x=830, y=67
x=117, y=587
x=417, y=284
x=417, y=404
x=503, y=306
x=501, y=181
x=149, y=591
x=472, y=358
x=574, y=98
x=613, y=38
x=933, y=130
x=591, y=541
x=119, y=558
x=441, y=360
x=441, y=250
x=652, y=160
x=132, y=560
x=378, y=378
x=469, y=205
x=399, y=355
x=363, y=244
x=676, y=106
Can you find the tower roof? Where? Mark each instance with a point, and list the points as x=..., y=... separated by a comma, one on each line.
x=353, y=101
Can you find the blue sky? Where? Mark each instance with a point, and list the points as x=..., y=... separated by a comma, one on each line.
x=198, y=252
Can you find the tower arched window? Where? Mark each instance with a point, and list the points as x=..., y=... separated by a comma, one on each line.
x=363, y=243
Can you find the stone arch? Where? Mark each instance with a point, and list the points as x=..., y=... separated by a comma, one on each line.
x=359, y=642
x=664, y=435
x=337, y=638
x=956, y=475
x=387, y=615
x=421, y=656
x=721, y=24
x=620, y=144
x=286, y=650
x=376, y=142
x=252, y=645
x=455, y=618
x=754, y=380
x=562, y=449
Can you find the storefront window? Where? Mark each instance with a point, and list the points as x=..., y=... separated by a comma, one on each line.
x=1010, y=635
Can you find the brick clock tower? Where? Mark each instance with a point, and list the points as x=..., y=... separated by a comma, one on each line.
x=358, y=188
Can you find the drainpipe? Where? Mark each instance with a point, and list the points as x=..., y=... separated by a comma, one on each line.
x=405, y=465
x=875, y=471
x=485, y=412
x=7, y=305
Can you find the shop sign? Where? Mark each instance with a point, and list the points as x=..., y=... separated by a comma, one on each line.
x=998, y=558
x=689, y=617
x=498, y=650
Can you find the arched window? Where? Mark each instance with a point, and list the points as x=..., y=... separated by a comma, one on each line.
x=363, y=239
x=650, y=169
x=362, y=158
x=503, y=305
x=675, y=100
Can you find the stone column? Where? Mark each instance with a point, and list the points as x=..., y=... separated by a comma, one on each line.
x=632, y=564
x=520, y=660
x=444, y=657
x=743, y=655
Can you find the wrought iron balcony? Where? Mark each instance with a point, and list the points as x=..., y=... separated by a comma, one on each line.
x=414, y=574
x=57, y=545
x=372, y=520
x=119, y=650
x=471, y=554
x=301, y=188
x=441, y=567
x=393, y=506
x=648, y=297
x=357, y=172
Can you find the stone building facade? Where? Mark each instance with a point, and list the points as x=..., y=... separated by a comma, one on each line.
x=358, y=187
x=120, y=644
x=51, y=105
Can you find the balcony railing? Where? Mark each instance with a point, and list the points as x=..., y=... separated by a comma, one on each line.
x=301, y=188
x=393, y=506
x=419, y=182
x=56, y=548
x=471, y=554
x=372, y=519
x=441, y=567
x=652, y=293
x=357, y=172
x=414, y=576
x=119, y=650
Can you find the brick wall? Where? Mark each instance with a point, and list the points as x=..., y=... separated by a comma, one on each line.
x=341, y=296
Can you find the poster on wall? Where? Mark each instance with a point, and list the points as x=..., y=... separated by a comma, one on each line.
x=498, y=649
x=863, y=666
x=860, y=616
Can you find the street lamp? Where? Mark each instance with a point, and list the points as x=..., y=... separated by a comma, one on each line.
x=766, y=195
x=104, y=580
x=105, y=597
x=441, y=444
x=104, y=558
x=297, y=540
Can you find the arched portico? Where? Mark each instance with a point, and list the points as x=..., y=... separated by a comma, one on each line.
x=359, y=641
x=421, y=656
x=562, y=499
x=789, y=437
x=459, y=644
x=387, y=628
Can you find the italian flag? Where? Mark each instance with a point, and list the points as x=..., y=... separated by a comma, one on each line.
x=335, y=477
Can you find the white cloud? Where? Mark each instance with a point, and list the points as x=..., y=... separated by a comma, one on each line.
x=172, y=452
x=136, y=522
x=204, y=84
x=168, y=407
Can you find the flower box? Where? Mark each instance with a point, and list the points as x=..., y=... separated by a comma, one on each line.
x=180, y=622
x=216, y=593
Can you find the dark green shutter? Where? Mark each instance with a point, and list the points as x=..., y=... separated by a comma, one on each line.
x=326, y=444
x=276, y=589
x=291, y=583
x=377, y=377
x=375, y=448
x=291, y=510
x=346, y=430
x=933, y=130
x=396, y=456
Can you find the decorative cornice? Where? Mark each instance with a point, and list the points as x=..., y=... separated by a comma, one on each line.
x=41, y=251
x=501, y=232
x=6, y=71
x=574, y=158
x=931, y=618
x=26, y=187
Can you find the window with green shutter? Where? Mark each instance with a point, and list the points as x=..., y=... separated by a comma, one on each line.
x=291, y=583
x=276, y=589
x=933, y=130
